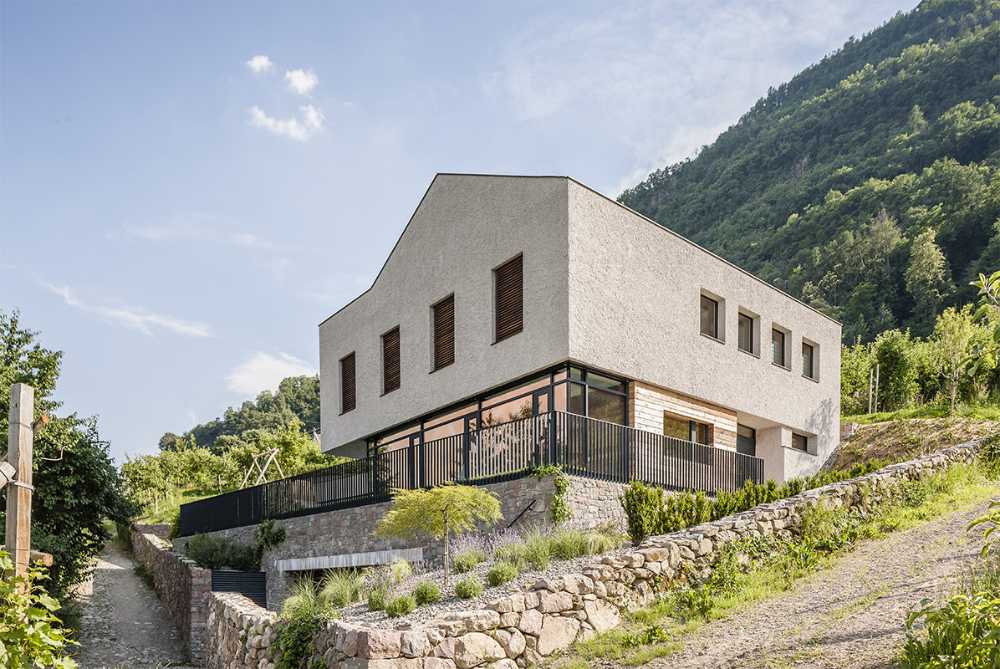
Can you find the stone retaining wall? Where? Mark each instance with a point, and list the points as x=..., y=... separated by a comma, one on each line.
x=181, y=584
x=521, y=629
x=353, y=530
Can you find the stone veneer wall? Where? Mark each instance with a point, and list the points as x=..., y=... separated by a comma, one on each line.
x=353, y=531
x=520, y=629
x=182, y=585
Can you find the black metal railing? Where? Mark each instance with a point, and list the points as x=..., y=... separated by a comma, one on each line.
x=581, y=446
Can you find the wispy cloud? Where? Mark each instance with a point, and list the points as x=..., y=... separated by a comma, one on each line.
x=301, y=81
x=260, y=64
x=141, y=320
x=264, y=371
x=301, y=129
x=665, y=78
x=197, y=228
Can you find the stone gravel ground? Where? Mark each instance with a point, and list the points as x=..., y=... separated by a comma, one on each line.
x=850, y=615
x=124, y=626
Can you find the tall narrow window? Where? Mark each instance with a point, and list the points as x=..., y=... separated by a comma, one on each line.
x=709, y=317
x=347, y=395
x=509, y=298
x=808, y=362
x=390, y=360
x=746, y=342
x=444, y=332
x=778, y=348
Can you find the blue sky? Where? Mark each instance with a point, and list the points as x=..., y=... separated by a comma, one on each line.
x=187, y=189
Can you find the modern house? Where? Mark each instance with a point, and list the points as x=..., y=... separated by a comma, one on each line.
x=589, y=331
x=529, y=321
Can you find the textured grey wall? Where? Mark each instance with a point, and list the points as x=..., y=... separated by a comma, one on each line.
x=634, y=309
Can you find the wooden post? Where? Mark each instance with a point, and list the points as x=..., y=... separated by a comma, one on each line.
x=19, y=447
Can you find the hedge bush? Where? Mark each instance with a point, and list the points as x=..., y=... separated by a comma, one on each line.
x=469, y=587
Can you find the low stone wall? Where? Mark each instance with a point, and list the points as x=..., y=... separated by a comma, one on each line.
x=594, y=502
x=181, y=585
x=521, y=629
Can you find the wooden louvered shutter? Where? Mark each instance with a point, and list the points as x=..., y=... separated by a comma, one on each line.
x=509, y=298
x=390, y=360
x=444, y=332
x=347, y=395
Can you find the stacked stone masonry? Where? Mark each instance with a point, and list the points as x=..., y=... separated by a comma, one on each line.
x=521, y=629
x=183, y=587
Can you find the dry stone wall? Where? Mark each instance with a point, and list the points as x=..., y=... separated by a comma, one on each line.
x=519, y=630
x=181, y=584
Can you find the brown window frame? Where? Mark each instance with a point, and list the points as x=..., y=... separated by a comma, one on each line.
x=443, y=333
x=811, y=374
x=508, y=299
x=714, y=334
x=391, y=361
x=348, y=395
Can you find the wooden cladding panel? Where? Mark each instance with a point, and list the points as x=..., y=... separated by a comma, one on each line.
x=509, y=298
x=390, y=360
x=347, y=383
x=444, y=332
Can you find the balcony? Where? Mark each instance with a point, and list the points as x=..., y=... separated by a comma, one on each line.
x=581, y=446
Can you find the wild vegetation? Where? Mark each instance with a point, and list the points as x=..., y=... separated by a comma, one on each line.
x=31, y=635
x=76, y=483
x=753, y=570
x=868, y=184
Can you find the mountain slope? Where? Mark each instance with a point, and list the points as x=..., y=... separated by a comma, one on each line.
x=825, y=185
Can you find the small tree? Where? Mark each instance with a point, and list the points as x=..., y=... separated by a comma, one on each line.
x=30, y=633
x=439, y=513
x=953, y=337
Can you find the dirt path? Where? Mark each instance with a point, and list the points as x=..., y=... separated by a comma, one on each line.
x=124, y=625
x=851, y=615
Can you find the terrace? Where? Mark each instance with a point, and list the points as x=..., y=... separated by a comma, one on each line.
x=580, y=445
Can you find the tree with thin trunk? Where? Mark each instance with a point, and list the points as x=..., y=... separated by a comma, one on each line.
x=439, y=513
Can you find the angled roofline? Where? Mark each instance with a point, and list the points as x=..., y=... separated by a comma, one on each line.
x=595, y=192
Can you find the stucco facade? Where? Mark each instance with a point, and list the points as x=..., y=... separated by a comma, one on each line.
x=603, y=287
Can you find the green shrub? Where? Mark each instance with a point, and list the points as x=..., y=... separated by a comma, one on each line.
x=400, y=606
x=426, y=592
x=467, y=560
x=377, y=597
x=30, y=633
x=341, y=587
x=303, y=613
x=913, y=493
x=989, y=455
x=566, y=544
x=501, y=572
x=469, y=587
x=643, y=506
x=219, y=553
x=400, y=570
x=962, y=633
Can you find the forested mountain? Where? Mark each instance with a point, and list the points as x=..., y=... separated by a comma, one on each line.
x=868, y=185
x=297, y=397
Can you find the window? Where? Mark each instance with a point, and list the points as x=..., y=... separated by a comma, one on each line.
x=444, y=332
x=347, y=396
x=746, y=342
x=390, y=361
x=509, y=298
x=686, y=429
x=808, y=361
x=778, y=348
x=800, y=442
x=709, y=317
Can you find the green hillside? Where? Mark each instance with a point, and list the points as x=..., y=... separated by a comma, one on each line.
x=867, y=185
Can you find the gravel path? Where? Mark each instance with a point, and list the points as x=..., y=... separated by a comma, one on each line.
x=850, y=615
x=124, y=625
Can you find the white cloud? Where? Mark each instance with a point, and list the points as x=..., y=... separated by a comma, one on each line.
x=301, y=81
x=263, y=371
x=197, y=227
x=665, y=78
x=312, y=122
x=260, y=64
x=143, y=320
